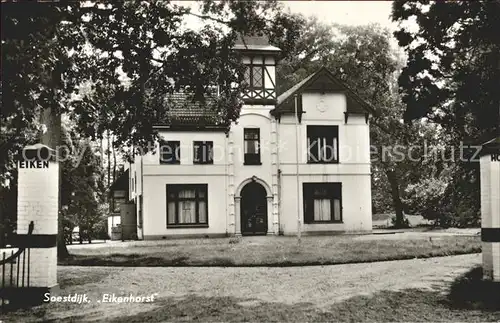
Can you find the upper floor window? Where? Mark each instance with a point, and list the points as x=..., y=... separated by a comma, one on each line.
x=203, y=152
x=322, y=144
x=322, y=202
x=170, y=152
x=254, y=76
x=252, y=146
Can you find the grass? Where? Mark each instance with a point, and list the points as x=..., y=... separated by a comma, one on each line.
x=472, y=292
x=283, y=251
x=411, y=305
x=457, y=304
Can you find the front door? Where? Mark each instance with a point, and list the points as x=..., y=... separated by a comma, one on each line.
x=253, y=209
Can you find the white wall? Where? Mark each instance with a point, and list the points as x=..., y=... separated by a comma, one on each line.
x=186, y=139
x=255, y=118
x=156, y=176
x=353, y=169
x=155, y=204
x=113, y=221
x=226, y=177
x=356, y=203
x=354, y=137
x=266, y=173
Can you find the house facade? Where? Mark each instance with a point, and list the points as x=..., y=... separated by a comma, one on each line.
x=301, y=159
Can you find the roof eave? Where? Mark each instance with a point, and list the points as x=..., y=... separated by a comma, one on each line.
x=369, y=109
x=190, y=127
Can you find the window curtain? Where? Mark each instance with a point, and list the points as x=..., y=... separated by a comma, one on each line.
x=187, y=208
x=251, y=147
x=203, y=151
x=336, y=210
x=334, y=149
x=171, y=212
x=322, y=210
x=202, y=208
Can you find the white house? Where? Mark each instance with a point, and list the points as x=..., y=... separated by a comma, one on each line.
x=259, y=178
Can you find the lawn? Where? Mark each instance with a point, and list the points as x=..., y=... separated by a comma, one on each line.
x=269, y=251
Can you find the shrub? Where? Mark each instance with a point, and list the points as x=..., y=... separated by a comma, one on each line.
x=405, y=224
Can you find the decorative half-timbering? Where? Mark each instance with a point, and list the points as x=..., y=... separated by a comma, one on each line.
x=260, y=74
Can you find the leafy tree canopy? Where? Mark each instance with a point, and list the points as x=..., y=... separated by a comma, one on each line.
x=453, y=71
x=50, y=50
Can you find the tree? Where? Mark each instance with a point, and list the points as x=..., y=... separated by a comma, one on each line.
x=82, y=185
x=451, y=78
x=50, y=49
x=362, y=58
x=453, y=67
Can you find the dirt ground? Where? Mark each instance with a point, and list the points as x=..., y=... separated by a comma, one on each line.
x=319, y=285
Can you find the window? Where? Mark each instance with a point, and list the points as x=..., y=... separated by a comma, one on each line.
x=117, y=202
x=254, y=76
x=170, y=152
x=203, y=152
x=322, y=143
x=252, y=146
x=118, y=199
x=187, y=206
x=322, y=202
x=248, y=75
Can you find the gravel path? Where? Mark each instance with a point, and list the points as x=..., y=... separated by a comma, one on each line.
x=319, y=285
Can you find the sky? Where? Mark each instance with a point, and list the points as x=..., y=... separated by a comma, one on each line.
x=353, y=13
x=346, y=12
x=342, y=12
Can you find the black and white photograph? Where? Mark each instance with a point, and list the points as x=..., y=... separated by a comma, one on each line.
x=250, y=161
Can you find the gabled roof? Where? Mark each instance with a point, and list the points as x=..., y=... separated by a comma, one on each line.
x=322, y=80
x=121, y=183
x=491, y=147
x=294, y=89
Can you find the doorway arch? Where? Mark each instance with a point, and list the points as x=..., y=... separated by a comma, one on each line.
x=253, y=209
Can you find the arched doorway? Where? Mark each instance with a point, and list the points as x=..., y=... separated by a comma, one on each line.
x=253, y=209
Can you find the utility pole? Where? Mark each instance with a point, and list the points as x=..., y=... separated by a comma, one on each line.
x=297, y=150
x=109, y=159
x=114, y=158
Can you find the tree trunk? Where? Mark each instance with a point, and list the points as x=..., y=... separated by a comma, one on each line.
x=396, y=198
x=114, y=159
x=52, y=138
x=101, y=149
